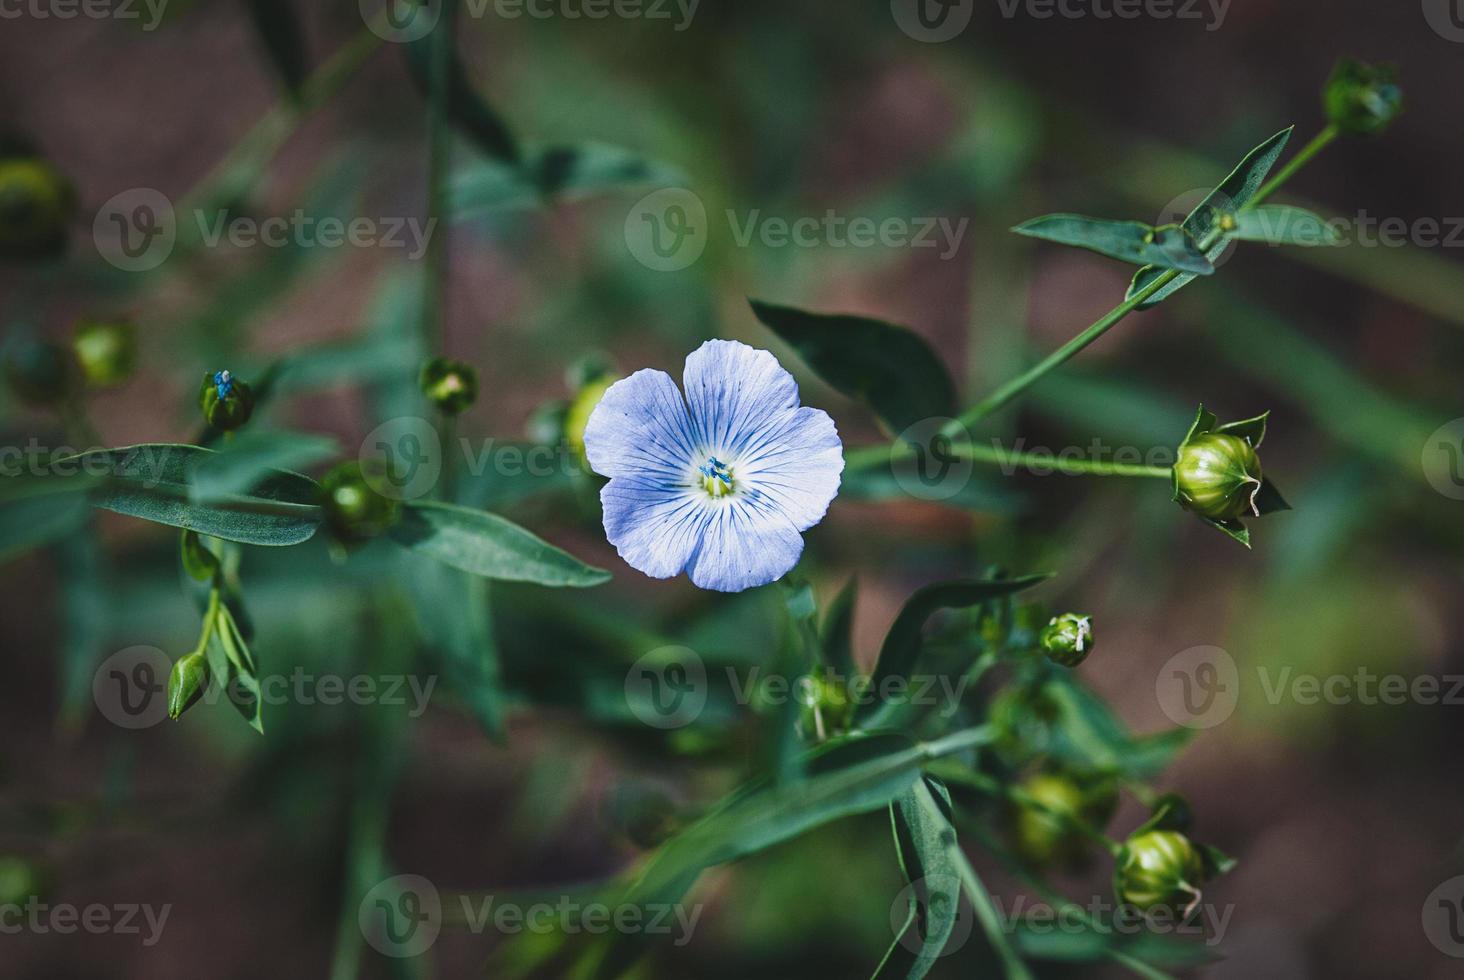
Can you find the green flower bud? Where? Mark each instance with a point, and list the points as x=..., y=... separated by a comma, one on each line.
x=41, y=373
x=1066, y=639
x=354, y=509
x=1042, y=824
x=827, y=708
x=186, y=683
x=226, y=401
x=1218, y=476
x=200, y=563
x=1362, y=99
x=36, y=203
x=106, y=350
x=1159, y=869
x=581, y=408
x=451, y=386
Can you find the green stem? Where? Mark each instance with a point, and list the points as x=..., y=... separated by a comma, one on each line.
x=439, y=150
x=210, y=619
x=1011, y=389
x=870, y=457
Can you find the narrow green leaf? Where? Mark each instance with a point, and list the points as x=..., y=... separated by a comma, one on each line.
x=900, y=651
x=1168, y=247
x=252, y=457
x=31, y=521
x=491, y=546
x=1089, y=735
x=838, y=629
x=1227, y=199
x=889, y=368
x=231, y=664
x=279, y=31
x=921, y=842
x=153, y=481
x=1282, y=224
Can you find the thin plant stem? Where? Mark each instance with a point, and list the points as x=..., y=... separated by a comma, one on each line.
x=439, y=151
x=868, y=457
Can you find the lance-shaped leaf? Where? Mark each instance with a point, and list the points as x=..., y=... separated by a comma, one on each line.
x=154, y=482
x=1282, y=224
x=491, y=546
x=251, y=457
x=900, y=652
x=1227, y=199
x=1167, y=246
x=935, y=883
x=231, y=664
x=889, y=368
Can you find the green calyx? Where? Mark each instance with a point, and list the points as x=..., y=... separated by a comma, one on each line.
x=355, y=510
x=1159, y=869
x=186, y=683
x=1217, y=475
x=1067, y=639
x=1362, y=99
x=105, y=350
x=36, y=204
x=451, y=386
x=226, y=402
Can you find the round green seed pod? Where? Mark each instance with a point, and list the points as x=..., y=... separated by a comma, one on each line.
x=1218, y=476
x=451, y=386
x=1043, y=835
x=226, y=402
x=354, y=509
x=36, y=204
x=1362, y=99
x=1158, y=869
x=106, y=351
x=1067, y=639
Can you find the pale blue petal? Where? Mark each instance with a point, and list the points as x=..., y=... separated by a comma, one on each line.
x=733, y=390
x=794, y=464
x=640, y=428
x=655, y=528
x=744, y=545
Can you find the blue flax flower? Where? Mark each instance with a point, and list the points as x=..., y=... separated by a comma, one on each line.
x=720, y=484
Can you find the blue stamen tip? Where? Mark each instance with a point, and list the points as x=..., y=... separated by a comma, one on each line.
x=224, y=382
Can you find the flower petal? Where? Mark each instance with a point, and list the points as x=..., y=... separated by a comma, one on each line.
x=795, y=463
x=640, y=428
x=655, y=528
x=732, y=391
x=744, y=544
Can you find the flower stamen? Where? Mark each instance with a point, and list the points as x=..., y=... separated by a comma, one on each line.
x=716, y=478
